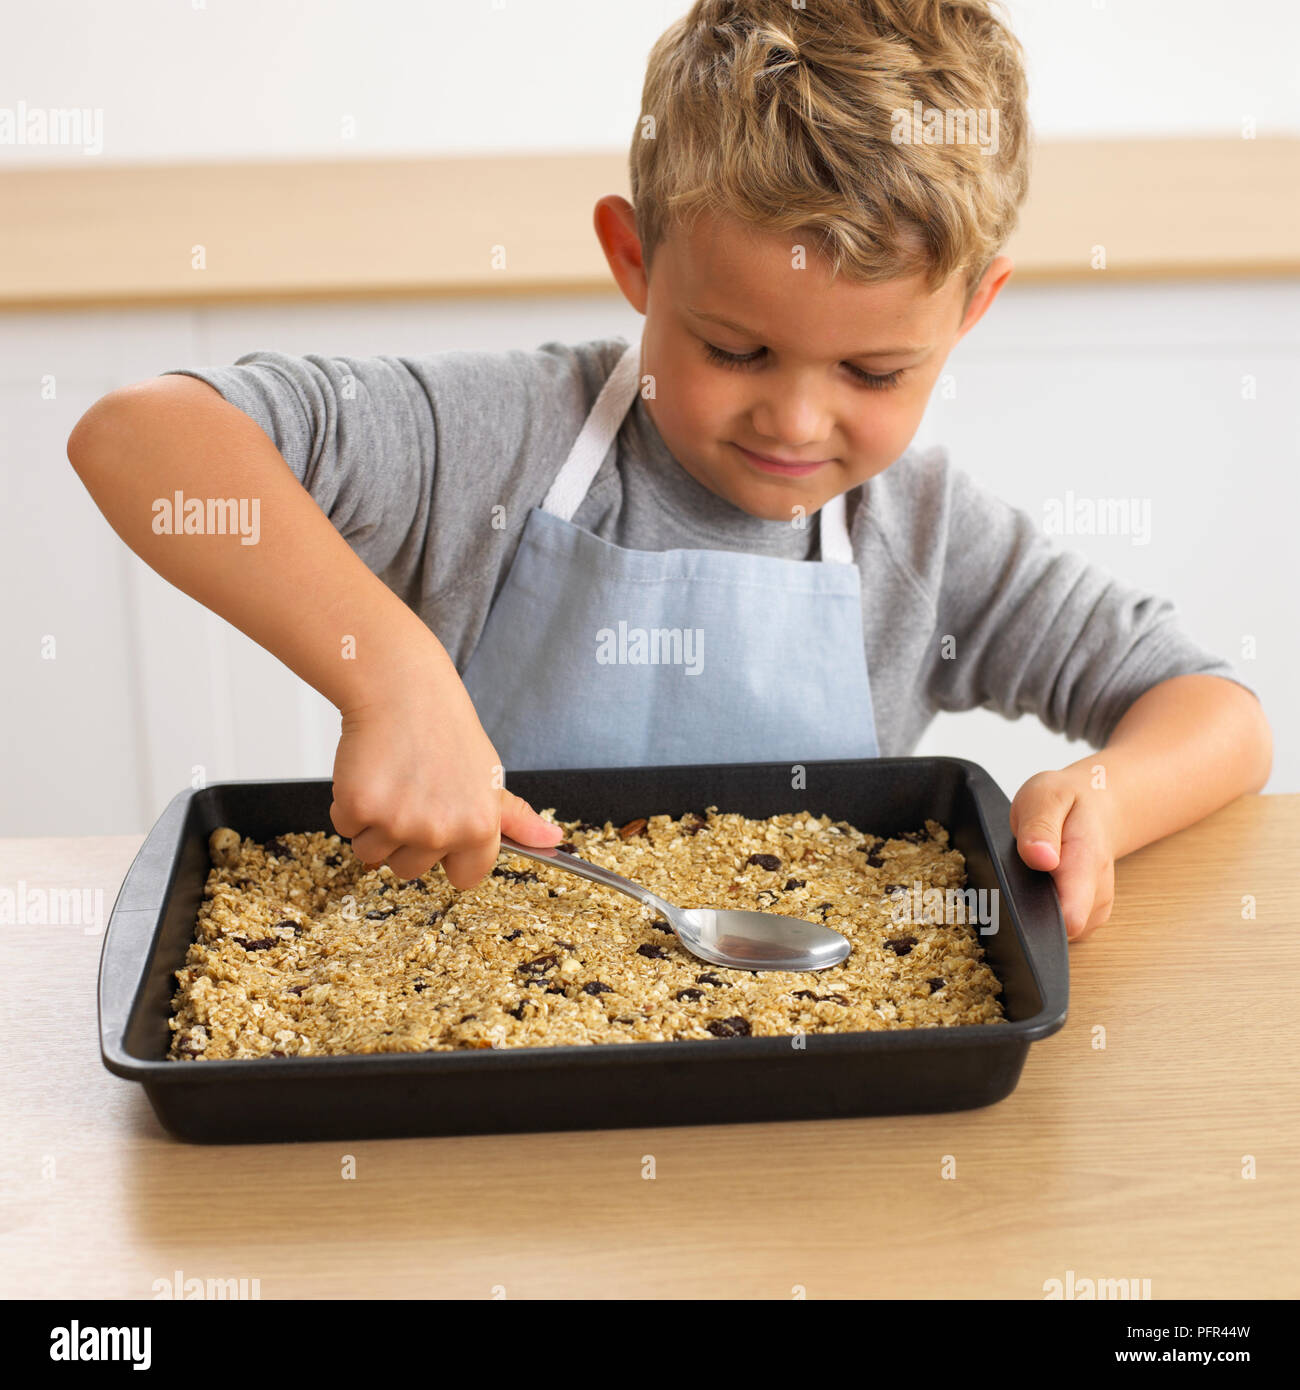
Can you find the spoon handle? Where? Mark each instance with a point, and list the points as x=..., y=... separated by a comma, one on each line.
x=584, y=869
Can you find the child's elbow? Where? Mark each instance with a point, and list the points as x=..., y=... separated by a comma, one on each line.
x=1259, y=747
x=154, y=411
x=93, y=436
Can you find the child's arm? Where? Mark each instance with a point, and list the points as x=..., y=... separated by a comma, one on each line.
x=1023, y=625
x=416, y=779
x=1183, y=749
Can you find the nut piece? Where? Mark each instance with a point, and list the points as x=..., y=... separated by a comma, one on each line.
x=225, y=848
x=633, y=827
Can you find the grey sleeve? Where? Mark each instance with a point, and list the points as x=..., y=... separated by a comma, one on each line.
x=408, y=455
x=359, y=434
x=1038, y=629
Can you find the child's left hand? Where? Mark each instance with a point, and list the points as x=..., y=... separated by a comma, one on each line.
x=1060, y=826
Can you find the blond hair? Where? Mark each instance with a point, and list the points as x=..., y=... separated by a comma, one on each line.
x=787, y=118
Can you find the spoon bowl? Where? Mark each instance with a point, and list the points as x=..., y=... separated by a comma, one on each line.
x=734, y=938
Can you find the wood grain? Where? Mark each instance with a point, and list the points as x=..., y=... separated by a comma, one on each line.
x=1115, y=1162
x=416, y=227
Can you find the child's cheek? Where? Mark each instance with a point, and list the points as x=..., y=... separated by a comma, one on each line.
x=694, y=408
x=879, y=434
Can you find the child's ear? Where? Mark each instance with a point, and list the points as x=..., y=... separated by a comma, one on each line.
x=991, y=282
x=615, y=222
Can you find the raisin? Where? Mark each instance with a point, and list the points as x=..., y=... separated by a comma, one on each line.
x=295, y=927
x=296, y=989
x=804, y=994
x=434, y=916
x=418, y=883
x=597, y=987
x=465, y=1018
x=729, y=1028
x=660, y=925
x=510, y=935
x=764, y=861
x=418, y=986
x=567, y=847
x=274, y=1053
x=518, y=1010
x=539, y=965
x=914, y=837
x=795, y=883
x=901, y=945
x=277, y=848
x=652, y=952
x=689, y=994
x=333, y=860
x=551, y=893
x=936, y=984
x=554, y=989
x=514, y=875
x=589, y=826
x=821, y=907
x=255, y=945
x=709, y=979
x=875, y=860
x=568, y=945
x=380, y=914
x=695, y=828
x=891, y=888
x=633, y=827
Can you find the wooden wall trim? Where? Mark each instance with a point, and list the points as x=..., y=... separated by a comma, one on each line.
x=123, y=235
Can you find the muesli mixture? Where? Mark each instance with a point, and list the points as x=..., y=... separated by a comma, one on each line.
x=299, y=950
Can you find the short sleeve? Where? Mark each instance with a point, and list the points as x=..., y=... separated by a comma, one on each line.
x=1033, y=628
x=411, y=457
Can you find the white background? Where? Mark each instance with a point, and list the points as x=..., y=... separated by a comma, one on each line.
x=1104, y=389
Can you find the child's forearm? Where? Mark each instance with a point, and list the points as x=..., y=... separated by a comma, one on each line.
x=1182, y=750
x=299, y=591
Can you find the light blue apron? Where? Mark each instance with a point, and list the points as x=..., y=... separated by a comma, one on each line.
x=598, y=656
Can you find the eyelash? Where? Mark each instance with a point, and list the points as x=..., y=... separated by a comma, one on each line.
x=867, y=379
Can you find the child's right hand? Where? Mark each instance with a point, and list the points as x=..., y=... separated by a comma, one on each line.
x=418, y=782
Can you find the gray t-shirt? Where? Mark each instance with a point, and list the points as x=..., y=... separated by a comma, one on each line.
x=410, y=456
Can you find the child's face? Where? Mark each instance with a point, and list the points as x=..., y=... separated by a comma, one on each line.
x=810, y=343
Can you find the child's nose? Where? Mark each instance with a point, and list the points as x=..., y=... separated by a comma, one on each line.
x=793, y=421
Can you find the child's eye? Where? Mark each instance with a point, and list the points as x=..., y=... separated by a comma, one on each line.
x=876, y=383
x=731, y=359
x=742, y=360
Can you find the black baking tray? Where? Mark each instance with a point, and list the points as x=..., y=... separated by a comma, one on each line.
x=598, y=1086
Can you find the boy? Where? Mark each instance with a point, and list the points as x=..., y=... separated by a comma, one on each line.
x=712, y=545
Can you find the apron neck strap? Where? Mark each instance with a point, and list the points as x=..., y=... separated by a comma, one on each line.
x=833, y=529
x=598, y=433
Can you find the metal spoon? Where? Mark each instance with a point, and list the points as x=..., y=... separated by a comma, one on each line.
x=730, y=937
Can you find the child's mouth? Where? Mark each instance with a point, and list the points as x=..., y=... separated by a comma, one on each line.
x=777, y=466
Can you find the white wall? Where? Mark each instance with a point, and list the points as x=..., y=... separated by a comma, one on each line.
x=238, y=79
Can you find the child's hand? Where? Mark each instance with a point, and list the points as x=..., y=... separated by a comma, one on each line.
x=1060, y=826
x=417, y=782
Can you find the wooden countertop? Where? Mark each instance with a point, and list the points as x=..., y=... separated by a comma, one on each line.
x=1117, y=1163
x=411, y=227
